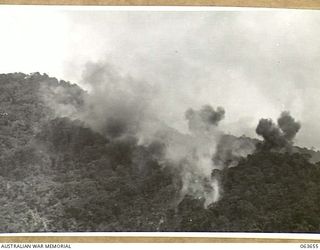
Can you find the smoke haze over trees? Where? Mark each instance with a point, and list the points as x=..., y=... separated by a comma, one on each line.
x=278, y=136
x=175, y=120
x=101, y=160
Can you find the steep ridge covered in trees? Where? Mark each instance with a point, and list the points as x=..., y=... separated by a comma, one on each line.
x=57, y=174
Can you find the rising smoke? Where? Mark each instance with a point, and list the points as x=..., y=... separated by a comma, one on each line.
x=120, y=107
x=196, y=165
x=278, y=136
x=288, y=125
x=200, y=154
x=117, y=105
x=205, y=119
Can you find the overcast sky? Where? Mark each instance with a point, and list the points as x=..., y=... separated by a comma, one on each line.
x=254, y=63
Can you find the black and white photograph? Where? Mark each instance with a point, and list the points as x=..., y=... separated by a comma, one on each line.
x=159, y=119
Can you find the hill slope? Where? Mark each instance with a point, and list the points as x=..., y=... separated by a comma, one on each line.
x=56, y=174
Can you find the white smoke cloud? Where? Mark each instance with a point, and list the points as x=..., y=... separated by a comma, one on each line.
x=119, y=106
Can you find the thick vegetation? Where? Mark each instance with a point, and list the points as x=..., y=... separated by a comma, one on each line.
x=56, y=174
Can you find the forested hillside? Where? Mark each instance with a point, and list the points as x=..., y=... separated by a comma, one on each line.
x=57, y=174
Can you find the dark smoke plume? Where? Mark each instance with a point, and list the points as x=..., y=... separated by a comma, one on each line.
x=204, y=119
x=272, y=135
x=278, y=136
x=288, y=125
